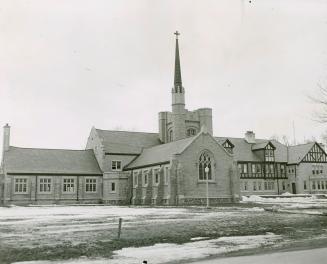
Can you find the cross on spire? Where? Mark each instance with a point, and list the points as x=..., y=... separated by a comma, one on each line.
x=177, y=34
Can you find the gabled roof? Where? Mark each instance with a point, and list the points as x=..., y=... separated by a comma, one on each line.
x=243, y=150
x=262, y=145
x=123, y=142
x=160, y=154
x=298, y=152
x=50, y=161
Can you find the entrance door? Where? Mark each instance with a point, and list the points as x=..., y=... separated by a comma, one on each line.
x=293, y=188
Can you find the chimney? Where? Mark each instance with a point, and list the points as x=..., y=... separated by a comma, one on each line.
x=250, y=137
x=6, y=138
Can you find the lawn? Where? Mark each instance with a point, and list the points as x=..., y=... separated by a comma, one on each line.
x=89, y=233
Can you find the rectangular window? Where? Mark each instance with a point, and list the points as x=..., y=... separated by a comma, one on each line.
x=254, y=168
x=322, y=185
x=318, y=185
x=90, y=185
x=245, y=186
x=113, y=187
x=45, y=185
x=116, y=165
x=254, y=186
x=243, y=168
x=20, y=185
x=283, y=186
x=135, y=179
x=69, y=185
x=266, y=186
x=259, y=186
x=167, y=175
x=282, y=169
x=313, y=185
x=304, y=185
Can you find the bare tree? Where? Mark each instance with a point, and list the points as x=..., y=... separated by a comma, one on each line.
x=321, y=100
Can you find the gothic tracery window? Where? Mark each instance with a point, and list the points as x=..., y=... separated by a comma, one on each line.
x=205, y=161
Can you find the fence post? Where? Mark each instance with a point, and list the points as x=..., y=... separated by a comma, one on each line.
x=119, y=227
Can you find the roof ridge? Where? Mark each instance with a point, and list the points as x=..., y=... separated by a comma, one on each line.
x=169, y=143
x=51, y=149
x=126, y=131
x=313, y=142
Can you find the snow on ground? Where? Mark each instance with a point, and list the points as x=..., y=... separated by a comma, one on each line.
x=163, y=253
x=316, y=256
x=289, y=201
x=51, y=225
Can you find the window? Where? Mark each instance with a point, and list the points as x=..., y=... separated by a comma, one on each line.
x=245, y=186
x=20, y=185
x=135, y=179
x=282, y=169
x=116, y=165
x=170, y=135
x=205, y=162
x=313, y=185
x=145, y=178
x=228, y=146
x=69, y=185
x=243, y=168
x=45, y=185
x=318, y=185
x=254, y=186
x=266, y=186
x=156, y=177
x=90, y=185
x=322, y=185
x=259, y=185
x=254, y=168
x=113, y=187
x=269, y=154
x=167, y=176
x=191, y=132
x=304, y=185
x=283, y=186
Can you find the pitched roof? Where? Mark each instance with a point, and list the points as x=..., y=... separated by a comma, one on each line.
x=52, y=161
x=262, y=145
x=160, y=154
x=298, y=152
x=124, y=142
x=243, y=150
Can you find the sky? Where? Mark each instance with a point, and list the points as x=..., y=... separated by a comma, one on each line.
x=68, y=65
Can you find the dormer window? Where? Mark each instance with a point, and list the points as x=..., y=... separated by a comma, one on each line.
x=228, y=146
x=191, y=132
x=269, y=153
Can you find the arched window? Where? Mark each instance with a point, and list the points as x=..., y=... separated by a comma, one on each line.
x=190, y=132
x=170, y=135
x=205, y=161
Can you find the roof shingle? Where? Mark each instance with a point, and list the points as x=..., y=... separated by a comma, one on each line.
x=52, y=161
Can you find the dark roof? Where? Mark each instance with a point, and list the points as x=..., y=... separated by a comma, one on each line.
x=52, y=161
x=298, y=152
x=123, y=142
x=243, y=150
x=160, y=154
x=262, y=145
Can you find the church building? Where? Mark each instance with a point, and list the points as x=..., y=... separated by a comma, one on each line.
x=182, y=164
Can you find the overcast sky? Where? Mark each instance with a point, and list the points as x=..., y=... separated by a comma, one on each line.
x=66, y=66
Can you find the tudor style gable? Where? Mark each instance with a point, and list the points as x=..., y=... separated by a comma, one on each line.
x=315, y=155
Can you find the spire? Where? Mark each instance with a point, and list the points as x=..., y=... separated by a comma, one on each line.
x=178, y=77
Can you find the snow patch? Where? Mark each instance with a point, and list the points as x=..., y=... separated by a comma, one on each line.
x=162, y=253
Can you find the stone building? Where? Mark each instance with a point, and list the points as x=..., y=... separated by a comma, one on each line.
x=182, y=164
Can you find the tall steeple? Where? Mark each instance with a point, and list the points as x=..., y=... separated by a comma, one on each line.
x=178, y=76
x=177, y=131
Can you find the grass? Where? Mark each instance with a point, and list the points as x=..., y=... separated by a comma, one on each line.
x=151, y=229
